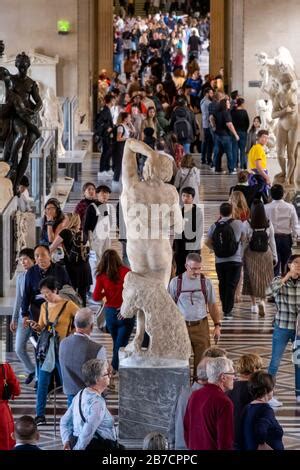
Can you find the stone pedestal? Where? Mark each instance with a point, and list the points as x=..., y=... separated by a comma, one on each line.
x=147, y=392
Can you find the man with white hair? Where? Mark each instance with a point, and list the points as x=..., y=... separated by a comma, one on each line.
x=76, y=350
x=176, y=430
x=208, y=421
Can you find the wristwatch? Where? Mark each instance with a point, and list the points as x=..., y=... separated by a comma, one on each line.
x=218, y=324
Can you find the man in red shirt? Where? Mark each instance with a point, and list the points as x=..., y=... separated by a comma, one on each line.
x=208, y=421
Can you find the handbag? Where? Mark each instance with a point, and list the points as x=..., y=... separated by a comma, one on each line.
x=98, y=442
x=181, y=183
x=47, y=333
x=100, y=319
x=6, y=394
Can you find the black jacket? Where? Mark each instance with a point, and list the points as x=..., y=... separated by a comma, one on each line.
x=103, y=122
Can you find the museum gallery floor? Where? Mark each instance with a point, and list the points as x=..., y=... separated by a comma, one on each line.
x=244, y=333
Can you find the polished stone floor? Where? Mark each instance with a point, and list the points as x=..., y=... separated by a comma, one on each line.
x=244, y=333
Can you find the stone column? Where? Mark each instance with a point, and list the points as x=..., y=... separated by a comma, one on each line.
x=84, y=55
x=105, y=35
x=217, y=37
x=237, y=46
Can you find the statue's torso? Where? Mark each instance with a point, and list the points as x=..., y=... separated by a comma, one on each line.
x=23, y=88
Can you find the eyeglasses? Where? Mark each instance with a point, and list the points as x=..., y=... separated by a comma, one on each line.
x=193, y=269
x=106, y=375
x=230, y=373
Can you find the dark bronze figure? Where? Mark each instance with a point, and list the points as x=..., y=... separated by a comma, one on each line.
x=23, y=103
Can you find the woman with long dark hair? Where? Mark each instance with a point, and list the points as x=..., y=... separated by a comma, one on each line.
x=109, y=284
x=53, y=222
x=259, y=256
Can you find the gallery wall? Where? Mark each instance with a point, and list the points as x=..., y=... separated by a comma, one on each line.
x=267, y=26
x=32, y=24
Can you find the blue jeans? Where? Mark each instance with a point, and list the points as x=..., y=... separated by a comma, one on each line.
x=22, y=337
x=187, y=148
x=117, y=63
x=43, y=386
x=281, y=337
x=120, y=331
x=239, y=146
x=225, y=142
x=69, y=400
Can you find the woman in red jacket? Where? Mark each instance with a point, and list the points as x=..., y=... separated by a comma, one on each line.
x=109, y=284
x=7, y=421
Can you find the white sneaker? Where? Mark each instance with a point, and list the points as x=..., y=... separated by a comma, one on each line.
x=298, y=399
x=110, y=173
x=254, y=309
x=102, y=174
x=274, y=403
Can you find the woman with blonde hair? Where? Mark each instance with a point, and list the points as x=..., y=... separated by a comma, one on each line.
x=240, y=395
x=240, y=209
x=76, y=256
x=188, y=175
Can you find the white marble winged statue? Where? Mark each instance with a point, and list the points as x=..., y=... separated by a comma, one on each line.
x=280, y=83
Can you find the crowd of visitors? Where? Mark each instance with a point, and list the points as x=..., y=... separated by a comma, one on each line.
x=157, y=95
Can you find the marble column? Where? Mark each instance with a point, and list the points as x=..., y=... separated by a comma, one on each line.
x=105, y=35
x=217, y=36
x=236, y=79
x=85, y=58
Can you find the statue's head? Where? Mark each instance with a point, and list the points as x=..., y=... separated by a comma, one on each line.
x=22, y=62
x=161, y=169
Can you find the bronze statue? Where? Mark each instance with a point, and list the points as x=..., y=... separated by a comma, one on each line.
x=23, y=103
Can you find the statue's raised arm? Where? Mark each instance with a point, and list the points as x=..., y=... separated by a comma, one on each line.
x=129, y=164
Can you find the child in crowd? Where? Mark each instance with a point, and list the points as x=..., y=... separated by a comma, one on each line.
x=190, y=240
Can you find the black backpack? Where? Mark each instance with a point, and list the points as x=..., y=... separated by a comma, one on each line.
x=115, y=132
x=183, y=129
x=259, y=240
x=78, y=252
x=223, y=239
